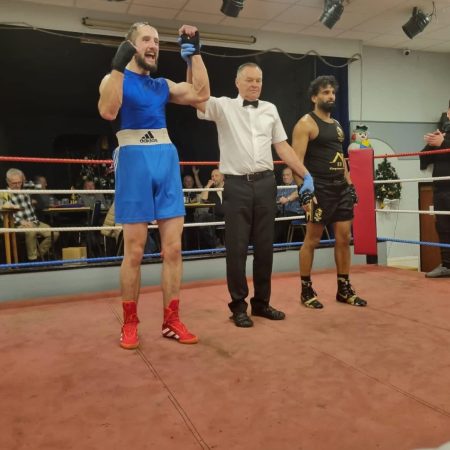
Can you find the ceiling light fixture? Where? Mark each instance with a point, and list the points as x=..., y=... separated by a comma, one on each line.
x=123, y=27
x=332, y=11
x=232, y=8
x=112, y=41
x=417, y=23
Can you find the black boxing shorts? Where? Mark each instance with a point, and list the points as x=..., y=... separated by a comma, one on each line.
x=334, y=202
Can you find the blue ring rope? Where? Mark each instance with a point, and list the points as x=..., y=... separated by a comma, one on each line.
x=407, y=241
x=146, y=257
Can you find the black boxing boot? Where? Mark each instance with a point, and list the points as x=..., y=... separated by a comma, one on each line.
x=346, y=293
x=308, y=295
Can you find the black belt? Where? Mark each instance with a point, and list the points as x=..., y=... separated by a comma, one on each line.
x=251, y=176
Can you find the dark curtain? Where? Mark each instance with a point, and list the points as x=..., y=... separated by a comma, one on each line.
x=50, y=94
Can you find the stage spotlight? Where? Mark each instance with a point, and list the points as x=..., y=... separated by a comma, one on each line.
x=332, y=11
x=232, y=8
x=417, y=23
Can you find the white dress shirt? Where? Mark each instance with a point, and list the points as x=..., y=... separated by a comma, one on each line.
x=245, y=133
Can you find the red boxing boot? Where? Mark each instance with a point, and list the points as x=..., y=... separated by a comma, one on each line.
x=173, y=328
x=129, y=338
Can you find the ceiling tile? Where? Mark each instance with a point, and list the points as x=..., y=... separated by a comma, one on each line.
x=195, y=18
x=416, y=44
x=102, y=5
x=321, y=30
x=208, y=7
x=152, y=12
x=442, y=33
x=357, y=35
x=384, y=40
x=282, y=27
x=243, y=23
x=443, y=47
x=374, y=22
x=311, y=3
x=257, y=9
x=390, y=24
x=300, y=14
x=171, y=4
x=54, y=2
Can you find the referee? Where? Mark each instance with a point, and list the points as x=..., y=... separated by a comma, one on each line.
x=247, y=127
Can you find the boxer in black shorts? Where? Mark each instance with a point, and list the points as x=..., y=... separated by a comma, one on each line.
x=317, y=140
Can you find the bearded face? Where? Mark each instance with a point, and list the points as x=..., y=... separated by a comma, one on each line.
x=144, y=65
x=326, y=105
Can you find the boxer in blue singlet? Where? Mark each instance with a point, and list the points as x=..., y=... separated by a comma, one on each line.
x=148, y=183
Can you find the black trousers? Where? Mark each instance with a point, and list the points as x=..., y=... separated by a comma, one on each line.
x=441, y=201
x=250, y=208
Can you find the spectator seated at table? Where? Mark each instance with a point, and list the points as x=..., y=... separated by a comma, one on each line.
x=40, y=201
x=288, y=204
x=210, y=236
x=90, y=199
x=26, y=218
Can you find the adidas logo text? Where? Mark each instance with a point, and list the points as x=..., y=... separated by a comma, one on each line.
x=148, y=138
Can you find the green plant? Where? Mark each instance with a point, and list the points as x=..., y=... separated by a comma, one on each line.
x=387, y=191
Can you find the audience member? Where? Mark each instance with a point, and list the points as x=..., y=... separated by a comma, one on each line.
x=216, y=181
x=40, y=201
x=288, y=204
x=440, y=139
x=191, y=182
x=26, y=218
x=208, y=235
x=90, y=199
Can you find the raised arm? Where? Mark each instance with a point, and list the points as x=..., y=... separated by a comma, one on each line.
x=196, y=89
x=111, y=87
x=195, y=171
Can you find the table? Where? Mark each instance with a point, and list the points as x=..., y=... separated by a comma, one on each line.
x=199, y=205
x=10, y=238
x=71, y=215
x=76, y=215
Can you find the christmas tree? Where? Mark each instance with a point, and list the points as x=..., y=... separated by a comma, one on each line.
x=389, y=191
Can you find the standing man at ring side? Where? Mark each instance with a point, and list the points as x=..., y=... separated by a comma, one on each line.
x=148, y=184
x=247, y=128
x=317, y=140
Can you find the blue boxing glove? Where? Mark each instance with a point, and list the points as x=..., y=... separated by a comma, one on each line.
x=194, y=40
x=187, y=50
x=306, y=190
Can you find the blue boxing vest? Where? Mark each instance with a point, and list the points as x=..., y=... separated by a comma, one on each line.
x=144, y=102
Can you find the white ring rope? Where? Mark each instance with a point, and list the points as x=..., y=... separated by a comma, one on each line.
x=407, y=180
x=106, y=191
x=412, y=211
x=119, y=227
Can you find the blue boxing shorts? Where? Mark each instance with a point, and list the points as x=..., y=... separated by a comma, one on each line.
x=148, y=181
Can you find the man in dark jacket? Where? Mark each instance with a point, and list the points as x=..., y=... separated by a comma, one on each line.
x=440, y=139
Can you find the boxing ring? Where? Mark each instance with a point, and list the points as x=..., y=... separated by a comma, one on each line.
x=341, y=377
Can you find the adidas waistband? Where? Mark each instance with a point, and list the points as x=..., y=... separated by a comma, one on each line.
x=143, y=137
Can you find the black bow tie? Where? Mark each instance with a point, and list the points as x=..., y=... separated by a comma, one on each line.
x=248, y=102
